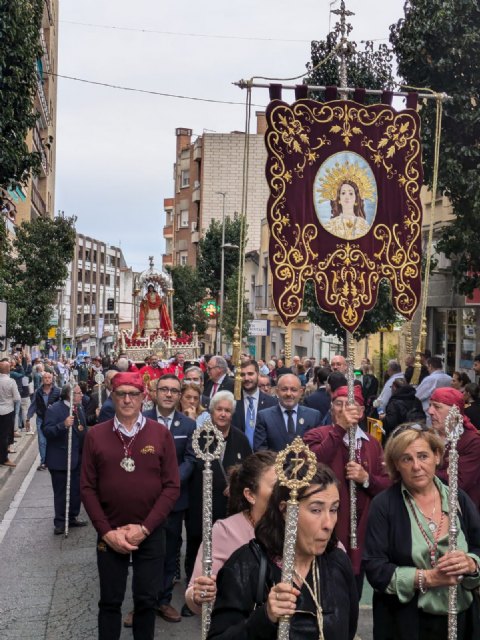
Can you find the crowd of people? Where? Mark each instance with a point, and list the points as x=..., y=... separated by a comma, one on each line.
x=134, y=469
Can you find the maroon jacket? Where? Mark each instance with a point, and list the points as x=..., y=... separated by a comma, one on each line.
x=114, y=497
x=327, y=444
x=468, y=448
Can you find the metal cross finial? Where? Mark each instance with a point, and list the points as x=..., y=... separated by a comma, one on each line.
x=343, y=13
x=151, y=262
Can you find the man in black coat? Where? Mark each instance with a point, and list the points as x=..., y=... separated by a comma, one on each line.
x=46, y=395
x=181, y=428
x=320, y=399
x=253, y=400
x=58, y=422
x=219, y=380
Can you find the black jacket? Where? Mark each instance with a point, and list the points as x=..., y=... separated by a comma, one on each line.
x=403, y=406
x=388, y=545
x=236, y=449
x=236, y=618
x=473, y=412
x=319, y=400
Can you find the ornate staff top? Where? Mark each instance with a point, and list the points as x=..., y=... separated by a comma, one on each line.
x=288, y=468
x=212, y=435
x=99, y=378
x=454, y=425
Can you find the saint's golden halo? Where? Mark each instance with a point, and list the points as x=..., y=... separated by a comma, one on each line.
x=338, y=174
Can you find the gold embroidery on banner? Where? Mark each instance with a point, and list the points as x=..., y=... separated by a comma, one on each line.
x=347, y=278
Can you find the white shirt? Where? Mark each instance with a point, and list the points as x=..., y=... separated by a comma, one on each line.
x=163, y=419
x=138, y=426
x=294, y=415
x=218, y=383
x=435, y=380
x=246, y=404
x=8, y=394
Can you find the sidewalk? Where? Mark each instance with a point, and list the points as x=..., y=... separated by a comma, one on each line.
x=22, y=445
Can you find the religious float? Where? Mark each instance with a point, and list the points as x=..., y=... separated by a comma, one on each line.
x=154, y=333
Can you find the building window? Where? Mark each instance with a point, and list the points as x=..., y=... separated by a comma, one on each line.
x=183, y=258
x=185, y=178
x=184, y=218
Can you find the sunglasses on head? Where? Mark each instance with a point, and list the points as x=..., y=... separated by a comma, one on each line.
x=409, y=427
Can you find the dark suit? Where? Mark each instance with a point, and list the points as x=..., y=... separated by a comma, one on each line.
x=271, y=432
x=319, y=400
x=56, y=459
x=107, y=412
x=92, y=405
x=264, y=401
x=228, y=384
x=181, y=429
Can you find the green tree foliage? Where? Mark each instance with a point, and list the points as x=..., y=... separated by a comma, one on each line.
x=34, y=265
x=381, y=316
x=437, y=45
x=20, y=22
x=370, y=67
x=187, y=299
x=230, y=308
x=209, y=253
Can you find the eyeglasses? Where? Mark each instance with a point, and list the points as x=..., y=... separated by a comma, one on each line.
x=215, y=366
x=131, y=394
x=165, y=390
x=265, y=386
x=409, y=427
x=78, y=393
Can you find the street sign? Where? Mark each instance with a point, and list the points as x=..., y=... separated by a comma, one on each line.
x=259, y=328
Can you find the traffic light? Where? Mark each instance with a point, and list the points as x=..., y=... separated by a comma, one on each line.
x=110, y=304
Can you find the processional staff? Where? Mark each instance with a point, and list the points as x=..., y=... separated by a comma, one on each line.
x=295, y=458
x=202, y=440
x=99, y=378
x=453, y=431
x=352, y=443
x=72, y=382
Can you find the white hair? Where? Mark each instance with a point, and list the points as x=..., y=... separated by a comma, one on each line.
x=222, y=396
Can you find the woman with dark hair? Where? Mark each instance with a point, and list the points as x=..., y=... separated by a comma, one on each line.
x=460, y=380
x=250, y=487
x=348, y=215
x=471, y=395
x=323, y=601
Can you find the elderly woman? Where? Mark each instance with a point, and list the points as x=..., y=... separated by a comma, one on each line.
x=237, y=447
x=468, y=446
x=406, y=548
x=250, y=488
x=322, y=602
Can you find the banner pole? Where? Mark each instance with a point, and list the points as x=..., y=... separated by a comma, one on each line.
x=352, y=441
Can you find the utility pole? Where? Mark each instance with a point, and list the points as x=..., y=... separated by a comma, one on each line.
x=218, y=345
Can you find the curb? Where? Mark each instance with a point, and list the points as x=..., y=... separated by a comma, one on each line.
x=23, y=445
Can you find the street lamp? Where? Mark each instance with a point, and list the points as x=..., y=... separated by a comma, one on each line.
x=222, y=271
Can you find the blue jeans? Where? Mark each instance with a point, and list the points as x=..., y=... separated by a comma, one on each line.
x=42, y=441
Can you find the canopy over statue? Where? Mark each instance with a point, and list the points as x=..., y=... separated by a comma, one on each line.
x=154, y=316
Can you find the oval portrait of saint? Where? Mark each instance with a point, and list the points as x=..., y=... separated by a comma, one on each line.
x=345, y=195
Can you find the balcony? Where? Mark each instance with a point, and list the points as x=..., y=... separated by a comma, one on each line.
x=195, y=239
x=46, y=55
x=196, y=194
x=197, y=149
x=43, y=98
x=38, y=202
x=168, y=231
x=263, y=299
x=167, y=259
x=37, y=141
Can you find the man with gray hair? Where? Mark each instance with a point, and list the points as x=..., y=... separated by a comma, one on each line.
x=219, y=380
x=394, y=371
x=8, y=396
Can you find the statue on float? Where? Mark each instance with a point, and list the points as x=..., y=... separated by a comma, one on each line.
x=153, y=314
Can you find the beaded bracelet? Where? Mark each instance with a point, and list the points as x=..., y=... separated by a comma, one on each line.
x=421, y=581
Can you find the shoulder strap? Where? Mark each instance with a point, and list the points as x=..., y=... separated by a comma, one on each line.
x=259, y=554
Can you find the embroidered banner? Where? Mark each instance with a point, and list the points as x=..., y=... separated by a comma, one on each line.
x=344, y=207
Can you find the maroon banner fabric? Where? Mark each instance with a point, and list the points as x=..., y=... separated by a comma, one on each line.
x=344, y=207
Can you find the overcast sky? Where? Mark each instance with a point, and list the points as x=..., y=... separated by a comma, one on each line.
x=115, y=149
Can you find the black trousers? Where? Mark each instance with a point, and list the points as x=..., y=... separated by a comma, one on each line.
x=147, y=564
x=193, y=544
x=59, y=485
x=173, y=531
x=7, y=423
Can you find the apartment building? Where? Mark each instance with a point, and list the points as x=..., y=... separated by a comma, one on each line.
x=94, y=301
x=38, y=197
x=208, y=178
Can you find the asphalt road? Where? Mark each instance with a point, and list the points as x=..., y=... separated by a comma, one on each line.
x=48, y=584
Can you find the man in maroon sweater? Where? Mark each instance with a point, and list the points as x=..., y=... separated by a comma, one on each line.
x=129, y=484
x=330, y=444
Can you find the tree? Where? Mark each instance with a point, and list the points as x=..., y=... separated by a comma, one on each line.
x=187, y=299
x=437, y=45
x=230, y=309
x=370, y=68
x=34, y=266
x=20, y=22
x=209, y=253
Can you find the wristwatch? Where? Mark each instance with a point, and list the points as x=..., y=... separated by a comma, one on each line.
x=366, y=484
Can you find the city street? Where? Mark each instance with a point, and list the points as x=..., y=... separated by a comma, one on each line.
x=48, y=584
